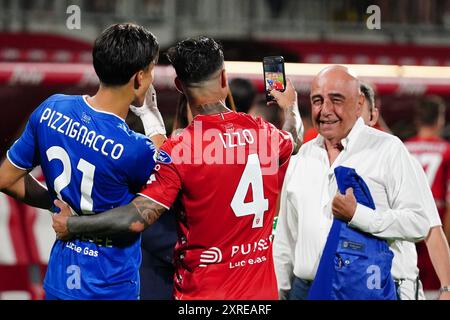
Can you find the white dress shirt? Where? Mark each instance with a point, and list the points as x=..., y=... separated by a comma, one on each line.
x=305, y=215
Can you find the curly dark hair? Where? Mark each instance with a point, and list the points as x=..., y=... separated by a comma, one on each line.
x=196, y=59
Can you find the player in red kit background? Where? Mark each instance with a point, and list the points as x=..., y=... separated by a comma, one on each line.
x=433, y=153
x=225, y=168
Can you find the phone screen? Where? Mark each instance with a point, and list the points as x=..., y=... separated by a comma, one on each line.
x=274, y=75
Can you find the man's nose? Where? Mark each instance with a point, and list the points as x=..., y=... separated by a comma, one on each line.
x=327, y=107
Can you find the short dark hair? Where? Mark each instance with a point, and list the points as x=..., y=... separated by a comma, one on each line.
x=243, y=92
x=121, y=51
x=369, y=94
x=196, y=59
x=429, y=109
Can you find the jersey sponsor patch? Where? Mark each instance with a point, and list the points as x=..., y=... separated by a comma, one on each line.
x=163, y=157
x=212, y=255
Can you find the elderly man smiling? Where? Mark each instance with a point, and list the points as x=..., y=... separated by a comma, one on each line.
x=310, y=199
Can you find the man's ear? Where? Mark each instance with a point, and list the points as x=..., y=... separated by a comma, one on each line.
x=361, y=100
x=178, y=85
x=374, y=116
x=135, y=81
x=223, y=78
x=138, y=77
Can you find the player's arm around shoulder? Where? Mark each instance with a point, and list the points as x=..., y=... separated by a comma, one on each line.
x=134, y=217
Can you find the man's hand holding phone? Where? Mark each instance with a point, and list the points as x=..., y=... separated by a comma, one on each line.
x=286, y=99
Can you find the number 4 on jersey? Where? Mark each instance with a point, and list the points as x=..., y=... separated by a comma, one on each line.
x=252, y=175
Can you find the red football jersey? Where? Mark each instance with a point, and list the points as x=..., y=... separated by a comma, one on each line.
x=434, y=156
x=226, y=169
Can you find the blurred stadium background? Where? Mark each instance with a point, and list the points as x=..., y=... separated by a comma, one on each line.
x=407, y=58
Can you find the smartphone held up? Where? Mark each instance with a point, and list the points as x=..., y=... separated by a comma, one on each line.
x=274, y=75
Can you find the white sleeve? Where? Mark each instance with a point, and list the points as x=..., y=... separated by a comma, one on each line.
x=407, y=218
x=285, y=240
x=430, y=205
x=149, y=114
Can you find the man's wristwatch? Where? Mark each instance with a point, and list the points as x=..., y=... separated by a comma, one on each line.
x=444, y=289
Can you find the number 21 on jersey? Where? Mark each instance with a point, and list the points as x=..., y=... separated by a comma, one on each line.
x=63, y=180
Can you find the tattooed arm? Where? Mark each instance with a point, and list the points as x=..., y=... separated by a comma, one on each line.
x=133, y=217
x=293, y=124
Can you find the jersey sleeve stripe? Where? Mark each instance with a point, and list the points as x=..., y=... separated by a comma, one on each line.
x=145, y=196
x=13, y=163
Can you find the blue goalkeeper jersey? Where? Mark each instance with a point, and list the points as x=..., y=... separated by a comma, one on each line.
x=94, y=162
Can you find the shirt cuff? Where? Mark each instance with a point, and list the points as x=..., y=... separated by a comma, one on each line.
x=362, y=218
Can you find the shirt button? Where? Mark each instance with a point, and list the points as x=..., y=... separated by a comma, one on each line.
x=347, y=262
